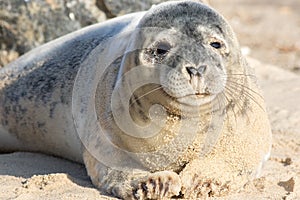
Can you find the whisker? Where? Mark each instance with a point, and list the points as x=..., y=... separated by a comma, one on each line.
x=236, y=101
x=233, y=92
x=245, y=87
x=226, y=103
x=248, y=94
x=250, y=75
x=136, y=99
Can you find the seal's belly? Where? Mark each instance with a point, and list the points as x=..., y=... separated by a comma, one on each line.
x=8, y=142
x=38, y=132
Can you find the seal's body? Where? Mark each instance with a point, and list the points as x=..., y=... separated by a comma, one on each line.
x=153, y=103
x=36, y=92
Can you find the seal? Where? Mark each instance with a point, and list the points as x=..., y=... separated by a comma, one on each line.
x=155, y=104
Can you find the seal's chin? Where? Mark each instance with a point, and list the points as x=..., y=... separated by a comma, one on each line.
x=197, y=99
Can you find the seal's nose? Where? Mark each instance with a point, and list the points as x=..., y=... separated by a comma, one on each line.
x=196, y=71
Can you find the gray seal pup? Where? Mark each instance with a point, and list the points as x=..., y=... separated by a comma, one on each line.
x=155, y=104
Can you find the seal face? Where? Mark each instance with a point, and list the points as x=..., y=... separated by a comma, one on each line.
x=192, y=80
x=199, y=71
x=154, y=103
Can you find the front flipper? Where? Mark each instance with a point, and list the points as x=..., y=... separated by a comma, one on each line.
x=132, y=184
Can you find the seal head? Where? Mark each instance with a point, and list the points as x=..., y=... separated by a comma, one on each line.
x=190, y=44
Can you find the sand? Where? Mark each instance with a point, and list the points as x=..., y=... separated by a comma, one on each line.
x=35, y=176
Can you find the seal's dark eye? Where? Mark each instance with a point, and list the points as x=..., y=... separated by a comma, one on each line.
x=157, y=52
x=163, y=48
x=216, y=45
x=161, y=51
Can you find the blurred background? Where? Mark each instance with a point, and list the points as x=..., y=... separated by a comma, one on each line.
x=268, y=30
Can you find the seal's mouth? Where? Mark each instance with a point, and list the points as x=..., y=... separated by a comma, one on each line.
x=196, y=99
x=201, y=95
x=198, y=95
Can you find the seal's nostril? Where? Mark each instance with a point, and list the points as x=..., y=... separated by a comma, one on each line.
x=201, y=69
x=192, y=71
x=196, y=71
